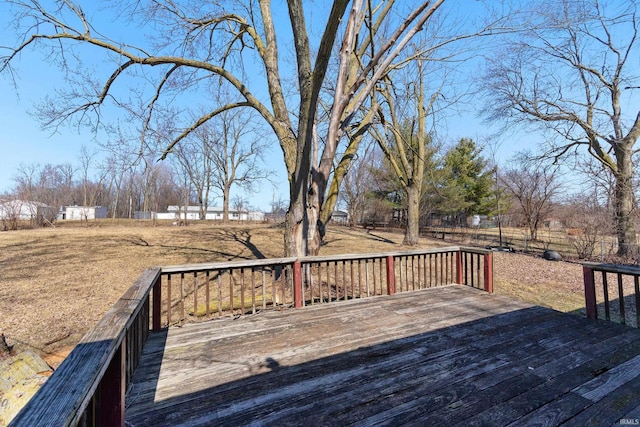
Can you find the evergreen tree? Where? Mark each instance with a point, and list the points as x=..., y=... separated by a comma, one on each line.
x=466, y=183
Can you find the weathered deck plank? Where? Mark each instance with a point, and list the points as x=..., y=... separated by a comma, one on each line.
x=439, y=356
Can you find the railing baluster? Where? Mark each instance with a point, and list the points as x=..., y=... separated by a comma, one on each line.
x=605, y=287
x=242, y=290
x=636, y=286
x=621, y=299
x=328, y=281
x=219, y=293
x=168, y=299
x=353, y=289
x=157, y=304
x=382, y=291
x=336, y=280
x=366, y=274
x=285, y=283
x=360, y=279
x=446, y=267
x=195, y=295
x=207, y=294
x=373, y=273
x=264, y=291
x=472, y=270
x=231, y=291
x=182, y=316
x=253, y=290
x=274, y=292
x=344, y=279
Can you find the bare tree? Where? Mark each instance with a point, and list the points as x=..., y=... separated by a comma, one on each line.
x=92, y=187
x=238, y=153
x=533, y=187
x=591, y=223
x=573, y=73
x=239, y=206
x=357, y=184
x=200, y=44
x=407, y=145
x=195, y=158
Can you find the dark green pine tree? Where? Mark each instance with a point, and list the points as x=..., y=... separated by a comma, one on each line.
x=466, y=184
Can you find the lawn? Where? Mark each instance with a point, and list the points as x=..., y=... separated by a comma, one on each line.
x=55, y=283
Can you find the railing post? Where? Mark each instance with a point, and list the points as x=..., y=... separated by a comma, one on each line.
x=391, y=276
x=590, y=292
x=112, y=389
x=459, y=267
x=157, y=304
x=488, y=272
x=297, y=284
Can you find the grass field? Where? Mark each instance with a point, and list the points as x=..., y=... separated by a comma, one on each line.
x=55, y=283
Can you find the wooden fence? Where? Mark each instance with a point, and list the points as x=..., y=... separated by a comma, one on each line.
x=618, y=301
x=89, y=387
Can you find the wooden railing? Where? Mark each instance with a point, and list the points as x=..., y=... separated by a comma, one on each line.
x=197, y=292
x=89, y=387
x=618, y=301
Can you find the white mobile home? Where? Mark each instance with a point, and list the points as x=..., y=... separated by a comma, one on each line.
x=84, y=212
x=192, y=213
x=20, y=209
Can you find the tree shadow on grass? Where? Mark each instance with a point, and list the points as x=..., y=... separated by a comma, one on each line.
x=243, y=237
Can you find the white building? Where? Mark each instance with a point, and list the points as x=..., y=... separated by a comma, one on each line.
x=340, y=217
x=84, y=212
x=22, y=210
x=192, y=213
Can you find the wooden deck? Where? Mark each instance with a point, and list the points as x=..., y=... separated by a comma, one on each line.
x=443, y=356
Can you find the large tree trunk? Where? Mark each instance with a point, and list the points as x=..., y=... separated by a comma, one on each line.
x=624, y=203
x=296, y=224
x=316, y=225
x=225, y=204
x=412, y=232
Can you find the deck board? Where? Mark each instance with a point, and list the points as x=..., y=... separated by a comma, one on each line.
x=441, y=356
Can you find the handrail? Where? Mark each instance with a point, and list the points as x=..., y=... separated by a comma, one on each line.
x=201, y=291
x=89, y=386
x=627, y=279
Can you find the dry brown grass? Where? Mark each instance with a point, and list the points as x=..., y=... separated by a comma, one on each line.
x=55, y=283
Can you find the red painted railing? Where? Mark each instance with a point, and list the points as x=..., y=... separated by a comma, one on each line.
x=618, y=301
x=192, y=293
x=89, y=387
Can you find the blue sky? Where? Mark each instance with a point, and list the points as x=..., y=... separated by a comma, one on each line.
x=23, y=141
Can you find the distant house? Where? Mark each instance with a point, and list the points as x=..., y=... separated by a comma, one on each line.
x=192, y=213
x=340, y=217
x=24, y=210
x=83, y=212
